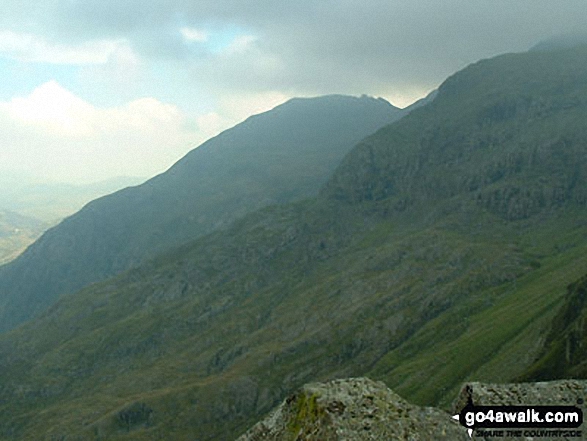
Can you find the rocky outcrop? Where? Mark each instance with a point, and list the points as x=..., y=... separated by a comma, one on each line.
x=362, y=409
x=353, y=409
x=546, y=393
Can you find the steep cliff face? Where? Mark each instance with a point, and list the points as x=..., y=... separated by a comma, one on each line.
x=352, y=410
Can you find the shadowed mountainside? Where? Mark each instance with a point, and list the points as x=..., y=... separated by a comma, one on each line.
x=275, y=157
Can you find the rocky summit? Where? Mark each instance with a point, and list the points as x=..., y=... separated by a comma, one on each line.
x=353, y=409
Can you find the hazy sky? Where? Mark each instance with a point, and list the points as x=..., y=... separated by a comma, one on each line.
x=100, y=88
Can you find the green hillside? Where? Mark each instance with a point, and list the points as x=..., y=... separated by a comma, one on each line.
x=440, y=251
x=282, y=155
x=563, y=353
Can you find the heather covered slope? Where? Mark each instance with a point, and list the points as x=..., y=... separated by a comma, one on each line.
x=275, y=157
x=424, y=262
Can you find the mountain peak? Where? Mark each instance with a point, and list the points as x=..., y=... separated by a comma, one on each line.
x=336, y=103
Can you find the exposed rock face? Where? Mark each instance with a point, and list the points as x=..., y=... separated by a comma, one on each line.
x=556, y=393
x=551, y=393
x=353, y=409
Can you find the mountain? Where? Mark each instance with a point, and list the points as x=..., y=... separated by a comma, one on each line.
x=16, y=233
x=275, y=157
x=438, y=252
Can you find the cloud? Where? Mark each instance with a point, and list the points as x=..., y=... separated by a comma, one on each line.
x=55, y=134
x=52, y=109
x=389, y=48
x=307, y=47
x=314, y=47
x=193, y=35
x=32, y=48
x=208, y=64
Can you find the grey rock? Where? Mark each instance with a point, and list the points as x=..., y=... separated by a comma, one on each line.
x=548, y=393
x=353, y=409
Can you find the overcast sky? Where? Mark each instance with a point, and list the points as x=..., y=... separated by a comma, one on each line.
x=100, y=88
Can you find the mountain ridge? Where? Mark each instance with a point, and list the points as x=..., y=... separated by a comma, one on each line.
x=278, y=156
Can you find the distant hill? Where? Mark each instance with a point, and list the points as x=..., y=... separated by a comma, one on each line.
x=275, y=157
x=439, y=251
x=16, y=233
x=52, y=202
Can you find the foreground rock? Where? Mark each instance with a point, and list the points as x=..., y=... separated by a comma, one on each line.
x=353, y=409
x=558, y=393
x=548, y=393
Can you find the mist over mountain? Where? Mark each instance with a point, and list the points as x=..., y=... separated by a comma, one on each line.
x=275, y=157
x=567, y=41
x=51, y=202
x=439, y=251
x=16, y=233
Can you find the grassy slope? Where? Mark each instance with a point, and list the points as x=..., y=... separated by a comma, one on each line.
x=426, y=261
x=563, y=353
x=500, y=337
x=209, y=362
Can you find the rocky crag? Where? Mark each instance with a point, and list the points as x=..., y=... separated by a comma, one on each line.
x=363, y=409
x=545, y=393
x=353, y=409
